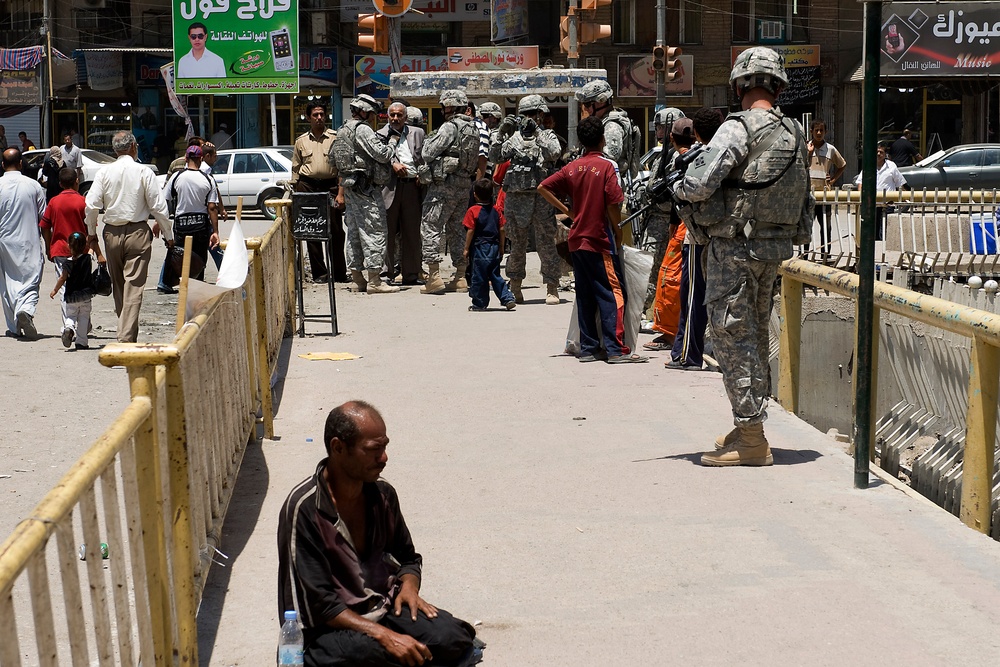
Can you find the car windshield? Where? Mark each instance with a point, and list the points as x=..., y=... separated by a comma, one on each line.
x=276, y=164
x=929, y=159
x=97, y=157
x=285, y=153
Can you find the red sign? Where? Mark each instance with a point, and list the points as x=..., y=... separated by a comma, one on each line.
x=392, y=8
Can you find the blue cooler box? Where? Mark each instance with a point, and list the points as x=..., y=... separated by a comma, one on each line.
x=983, y=236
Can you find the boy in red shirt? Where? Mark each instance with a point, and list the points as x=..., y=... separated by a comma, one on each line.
x=591, y=184
x=484, y=240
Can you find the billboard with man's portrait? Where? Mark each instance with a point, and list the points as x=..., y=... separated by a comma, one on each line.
x=223, y=47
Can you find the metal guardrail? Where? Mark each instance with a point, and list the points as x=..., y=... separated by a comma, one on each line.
x=929, y=231
x=167, y=467
x=982, y=327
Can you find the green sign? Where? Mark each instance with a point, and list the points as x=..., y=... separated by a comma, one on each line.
x=225, y=47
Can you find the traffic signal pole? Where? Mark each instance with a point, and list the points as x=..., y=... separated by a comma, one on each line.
x=395, y=24
x=661, y=36
x=572, y=107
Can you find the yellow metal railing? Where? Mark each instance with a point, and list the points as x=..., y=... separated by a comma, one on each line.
x=165, y=468
x=981, y=326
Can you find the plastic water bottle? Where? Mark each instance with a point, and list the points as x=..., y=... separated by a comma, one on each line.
x=290, y=642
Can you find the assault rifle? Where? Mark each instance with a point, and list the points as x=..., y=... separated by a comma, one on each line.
x=660, y=191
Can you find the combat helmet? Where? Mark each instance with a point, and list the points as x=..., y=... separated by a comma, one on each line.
x=597, y=90
x=531, y=104
x=490, y=109
x=668, y=117
x=366, y=103
x=758, y=67
x=454, y=98
x=414, y=115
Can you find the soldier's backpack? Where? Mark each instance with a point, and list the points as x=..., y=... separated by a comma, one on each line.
x=465, y=148
x=342, y=154
x=632, y=143
x=527, y=168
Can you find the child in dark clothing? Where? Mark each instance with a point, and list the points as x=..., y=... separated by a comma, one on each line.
x=483, y=243
x=76, y=276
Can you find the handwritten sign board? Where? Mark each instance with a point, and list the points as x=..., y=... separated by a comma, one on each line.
x=20, y=87
x=943, y=39
x=224, y=47
x=311, y=216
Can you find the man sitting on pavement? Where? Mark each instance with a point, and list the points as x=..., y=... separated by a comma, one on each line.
x=347, y=565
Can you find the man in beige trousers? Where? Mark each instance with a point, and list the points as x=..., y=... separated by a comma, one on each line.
x=127, y=192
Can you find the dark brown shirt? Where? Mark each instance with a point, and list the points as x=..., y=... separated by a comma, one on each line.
x=320, y=572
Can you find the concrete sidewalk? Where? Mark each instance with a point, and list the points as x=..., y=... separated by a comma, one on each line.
x=560, y=506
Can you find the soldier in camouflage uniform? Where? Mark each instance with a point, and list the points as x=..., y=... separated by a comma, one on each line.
x=658, y=219
x=532, y=151
x=364, y=209
x=452, y=153
x=749, y=206
x=596, y=98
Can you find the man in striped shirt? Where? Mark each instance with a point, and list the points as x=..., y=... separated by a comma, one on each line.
x=347, y=565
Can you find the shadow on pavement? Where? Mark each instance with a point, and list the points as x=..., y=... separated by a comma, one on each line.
x=248, y=496
x=278, y=388
x=782, y=457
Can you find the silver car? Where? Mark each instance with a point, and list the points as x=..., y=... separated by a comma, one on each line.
x=254, y=174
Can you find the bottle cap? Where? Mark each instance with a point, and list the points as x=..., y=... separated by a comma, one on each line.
x=291, y=616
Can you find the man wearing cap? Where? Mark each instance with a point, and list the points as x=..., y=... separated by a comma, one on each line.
x=196, y=212
x=402, y=195
x=222, y=138
x=127, y=192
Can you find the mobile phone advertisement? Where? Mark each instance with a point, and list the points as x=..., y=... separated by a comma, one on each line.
x=943, y=39
x=227, y=47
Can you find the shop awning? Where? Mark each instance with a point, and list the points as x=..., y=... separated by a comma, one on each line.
x=129, y=49
x=27, y=58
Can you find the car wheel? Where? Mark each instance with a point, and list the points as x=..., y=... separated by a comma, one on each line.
x=85, y=188
x=268, y=211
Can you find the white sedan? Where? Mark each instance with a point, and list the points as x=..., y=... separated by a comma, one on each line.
x=254, y=174
x=93, y=162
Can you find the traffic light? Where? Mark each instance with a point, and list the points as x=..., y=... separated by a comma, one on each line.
x=587, y=28
x=672, y=63
x=378, y=41
x=564, y=34
x=593, y=4
x=659, y=57
x=587, y=32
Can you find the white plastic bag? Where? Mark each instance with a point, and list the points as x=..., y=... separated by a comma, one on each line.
x=636, y=265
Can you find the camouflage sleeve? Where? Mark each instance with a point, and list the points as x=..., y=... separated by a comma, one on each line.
x=371, y=145
x=730, y=146
x=438, y=142
x=549, y=143
x=510, y=147
x=803, y=234
x=494, y=153
x=614, y=140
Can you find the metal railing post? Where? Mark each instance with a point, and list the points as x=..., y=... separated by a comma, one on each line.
x=791, y=341
x=980, y=439
x=266, y=405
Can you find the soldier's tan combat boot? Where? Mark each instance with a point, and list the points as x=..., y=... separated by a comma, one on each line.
x=552, y=295
x=726, y=440
x=376, y=286
x=360, y=284
x=458, y=283
x=515, y=289
x=433, y=284
x=749, y=449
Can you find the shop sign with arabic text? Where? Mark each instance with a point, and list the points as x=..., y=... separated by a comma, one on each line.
x=940, y=39
x=223, y=47
x=492, y=57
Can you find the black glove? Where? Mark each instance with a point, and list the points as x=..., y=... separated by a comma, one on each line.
x=528, y=127
x=508, y=125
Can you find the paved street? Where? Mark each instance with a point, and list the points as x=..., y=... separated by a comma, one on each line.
x=559, y=506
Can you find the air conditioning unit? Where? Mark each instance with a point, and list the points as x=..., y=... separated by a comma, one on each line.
x=770, y=32
x=89, y=4
x=592, y=62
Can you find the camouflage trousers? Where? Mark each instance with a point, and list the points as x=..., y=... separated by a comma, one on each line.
x=366, y=229
x=444, y=208
x=524, y=210
x=738, y=296
x=656, y=239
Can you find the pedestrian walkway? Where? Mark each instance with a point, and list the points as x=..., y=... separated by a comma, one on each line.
x=560, y=506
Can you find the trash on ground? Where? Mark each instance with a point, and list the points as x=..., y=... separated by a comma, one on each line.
x=329, y=356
